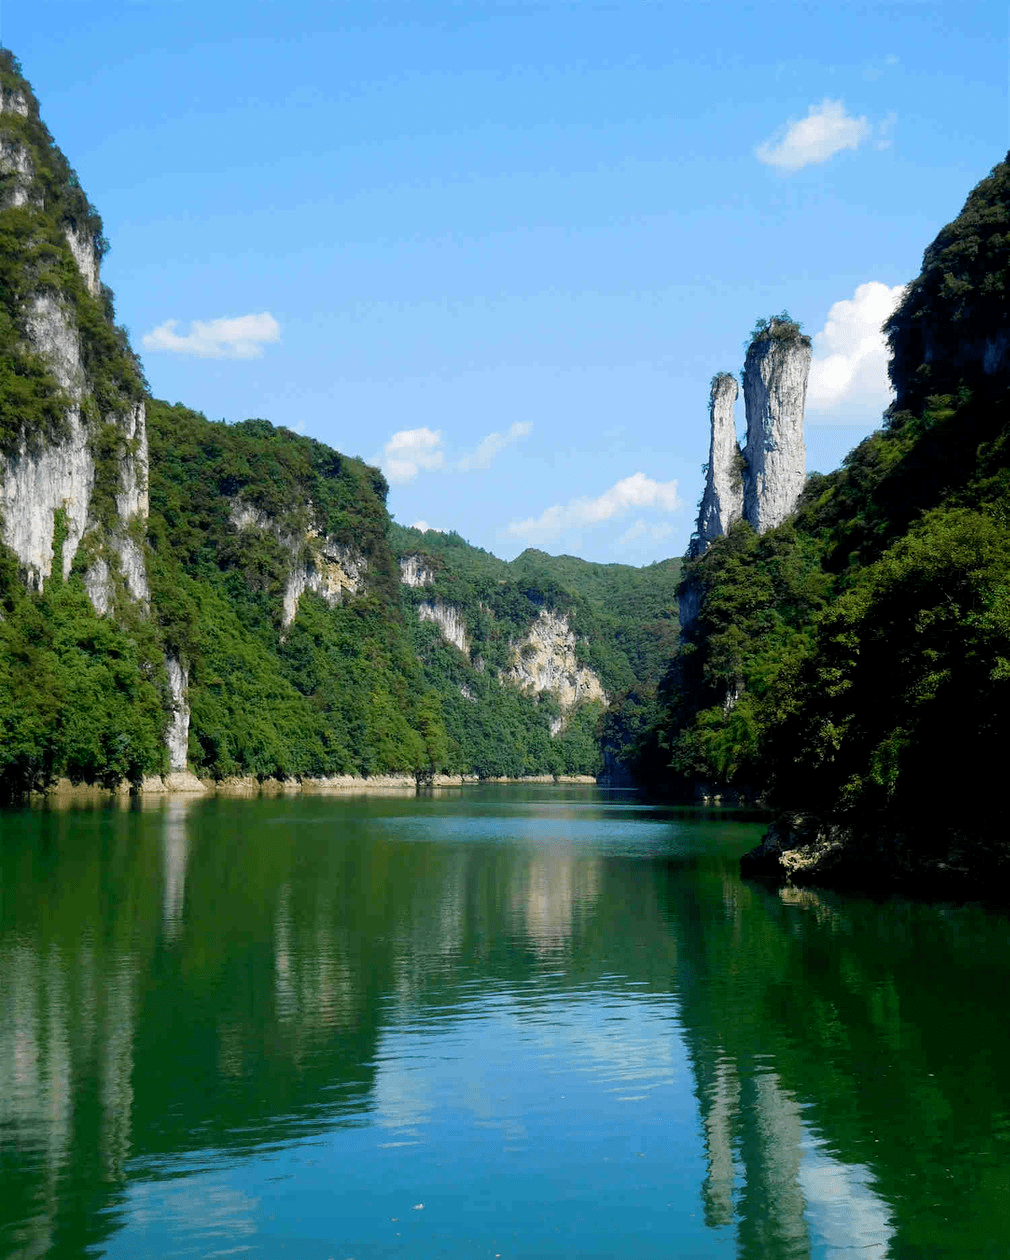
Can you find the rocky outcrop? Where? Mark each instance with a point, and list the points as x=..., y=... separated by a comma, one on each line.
x=16, y=174
x=722, y=501
x=13, y=102
x=49, y=484
x=318, y=563
x=762, y=484
x=82, y=246
x=41, y=480
x=414, y=572
x=546, y=662
x=796, y=849
x=177, y=735
x=803, y=849
x=449, y=620
x=775, y=393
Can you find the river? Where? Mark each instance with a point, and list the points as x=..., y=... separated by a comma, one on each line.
x=508, y=1022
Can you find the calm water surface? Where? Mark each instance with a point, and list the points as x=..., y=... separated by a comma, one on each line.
x=496, y=1022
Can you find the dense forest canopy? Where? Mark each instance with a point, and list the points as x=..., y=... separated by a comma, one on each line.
x=849, y=667
x=852, y=666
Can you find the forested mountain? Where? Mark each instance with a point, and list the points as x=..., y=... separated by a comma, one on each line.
x=526, y=655
x=181, y=596
x=852, y=666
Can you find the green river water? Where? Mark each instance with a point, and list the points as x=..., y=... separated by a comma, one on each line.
x=502, y=1022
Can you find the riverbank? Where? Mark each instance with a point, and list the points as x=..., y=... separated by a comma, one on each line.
x=186, y=784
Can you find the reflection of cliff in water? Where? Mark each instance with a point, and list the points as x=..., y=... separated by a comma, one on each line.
x=222, y=975
x=839, y=1111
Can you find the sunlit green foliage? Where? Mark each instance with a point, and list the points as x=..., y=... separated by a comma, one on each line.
x=80, y=695
x=854, y=662
x=625, y=627
x=340, y=691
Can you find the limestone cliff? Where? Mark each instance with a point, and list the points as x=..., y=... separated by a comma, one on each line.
x=74, y=462
x=545, y=661
x=449, y=620
x=318, y=563
x=415, y=572
x=775, y=391
x=762, y=484
x=722, y=501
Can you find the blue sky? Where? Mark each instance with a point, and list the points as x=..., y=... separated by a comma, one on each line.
x=501, y=247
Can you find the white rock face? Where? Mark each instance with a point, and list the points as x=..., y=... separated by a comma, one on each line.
x=53, y=334
x=449, y=620
x=722, y=502
x=765, y=490
x=546, y=661
x=35, y=485
x=16, y=165
x=318, y=563
x=13, y=103
x=98, y=584
x=83, y=250
x=177, y=736
x=414, y=573
x=775, y=393
x=132, y=503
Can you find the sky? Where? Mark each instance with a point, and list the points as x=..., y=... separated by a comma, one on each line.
x=500, y=247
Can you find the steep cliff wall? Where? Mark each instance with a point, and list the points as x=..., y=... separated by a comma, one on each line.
x=722, y=501
x=762, y=484
x=449, y=620
x=546, y=661
x=775, y=392
x=415, y=572
x=73, y=457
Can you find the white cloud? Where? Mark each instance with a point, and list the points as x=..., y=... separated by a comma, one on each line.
x=412, y=451
x=848, y=376
x=487, y=448
x=637, y=491
x=242, y=337
x=421, y=450
x=425, y=528
x=655, y=533
x=825, y=131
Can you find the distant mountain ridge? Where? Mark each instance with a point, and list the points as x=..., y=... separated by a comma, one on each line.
x=527, y=654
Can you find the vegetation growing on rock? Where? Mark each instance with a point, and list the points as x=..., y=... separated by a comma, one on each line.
x=851, y=665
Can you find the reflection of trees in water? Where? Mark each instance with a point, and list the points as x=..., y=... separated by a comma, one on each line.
x=843, y=1057
x=166, y=987
x=65, y=1022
